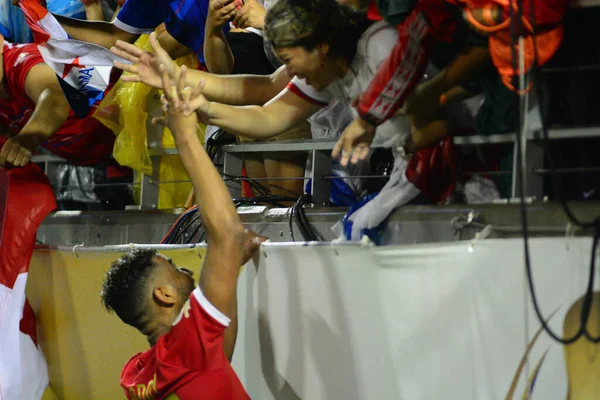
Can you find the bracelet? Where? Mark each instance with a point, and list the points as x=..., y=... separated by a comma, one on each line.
x=402, y=152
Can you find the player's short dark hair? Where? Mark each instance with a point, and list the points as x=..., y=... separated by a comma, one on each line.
x=125, y=284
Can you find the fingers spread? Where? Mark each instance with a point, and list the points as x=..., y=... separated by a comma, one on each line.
x=129, y=48
x=364, y=153
x=357, y=153
x=156, y=47
x=195, y=97
x=126, y=67
x=198, y=89
x=181, y=81
x=125, y=55
x=337, y=148
x=229, y=8
x=170, y=91
x=131, y=78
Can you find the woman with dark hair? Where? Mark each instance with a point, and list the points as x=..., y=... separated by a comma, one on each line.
x=332, y=53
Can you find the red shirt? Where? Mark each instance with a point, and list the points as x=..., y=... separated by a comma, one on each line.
x=82, y=141
x=373, y=12
x=188, y=362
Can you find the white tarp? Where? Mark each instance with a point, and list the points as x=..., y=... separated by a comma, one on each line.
x=442, y=321
x=446, y=321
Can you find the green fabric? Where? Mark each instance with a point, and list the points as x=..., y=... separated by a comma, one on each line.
x=395, y=11
x=498, y=114
x=286, y=23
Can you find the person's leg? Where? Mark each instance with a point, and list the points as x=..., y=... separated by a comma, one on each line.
x=288, y=165
x=255, y=168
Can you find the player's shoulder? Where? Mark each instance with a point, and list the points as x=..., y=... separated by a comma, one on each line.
x=137, y=365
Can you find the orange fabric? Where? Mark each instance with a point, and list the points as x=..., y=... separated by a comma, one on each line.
x=548, y=36
x=546, y=44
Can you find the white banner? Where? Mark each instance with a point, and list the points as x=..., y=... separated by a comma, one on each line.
x=441, y=321
x=446, y=321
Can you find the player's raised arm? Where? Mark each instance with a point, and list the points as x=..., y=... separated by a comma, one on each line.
x=226, y=237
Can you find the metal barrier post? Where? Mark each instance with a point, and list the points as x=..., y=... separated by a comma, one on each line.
x=321, y=166
x=149, y=185
x=232, y=165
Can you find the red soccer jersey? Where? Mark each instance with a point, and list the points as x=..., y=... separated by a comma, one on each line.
x=188, y=362
x=82, y=141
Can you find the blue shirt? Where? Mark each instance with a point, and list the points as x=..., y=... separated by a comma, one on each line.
x=184, y=20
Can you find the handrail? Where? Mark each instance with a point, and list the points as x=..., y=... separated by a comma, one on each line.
x=319, y=151
x=328, y=144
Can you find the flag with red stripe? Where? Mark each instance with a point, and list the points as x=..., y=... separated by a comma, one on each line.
x=25, y=199
x=83, y=68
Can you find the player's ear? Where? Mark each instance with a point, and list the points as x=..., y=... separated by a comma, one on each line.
x=165, y=296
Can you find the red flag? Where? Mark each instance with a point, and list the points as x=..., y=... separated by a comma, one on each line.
x=25, y=200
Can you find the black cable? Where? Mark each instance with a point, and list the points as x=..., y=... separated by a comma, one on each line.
x=292, y=223
x=183, y=229
x=313, y=233
x=302, y=221
x=308, y=232
x=276, y=201
x=515, y=31
x=178, y=224
x=260, y=188
x=586, y=307
x=299, y=212
x=194, y=233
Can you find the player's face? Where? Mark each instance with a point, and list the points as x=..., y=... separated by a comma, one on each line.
x=312, y=65
x=179, y=277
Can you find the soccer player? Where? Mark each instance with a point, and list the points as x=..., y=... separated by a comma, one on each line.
x=34, y=111
x=191, y=327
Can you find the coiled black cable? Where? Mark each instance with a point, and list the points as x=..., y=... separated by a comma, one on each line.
x=516, y=32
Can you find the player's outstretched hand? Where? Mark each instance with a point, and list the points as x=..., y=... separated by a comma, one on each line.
x=180, y=122
x=252, y=242
x=144, y=65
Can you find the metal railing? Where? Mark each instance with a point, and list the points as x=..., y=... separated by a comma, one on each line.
x=319, y=151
